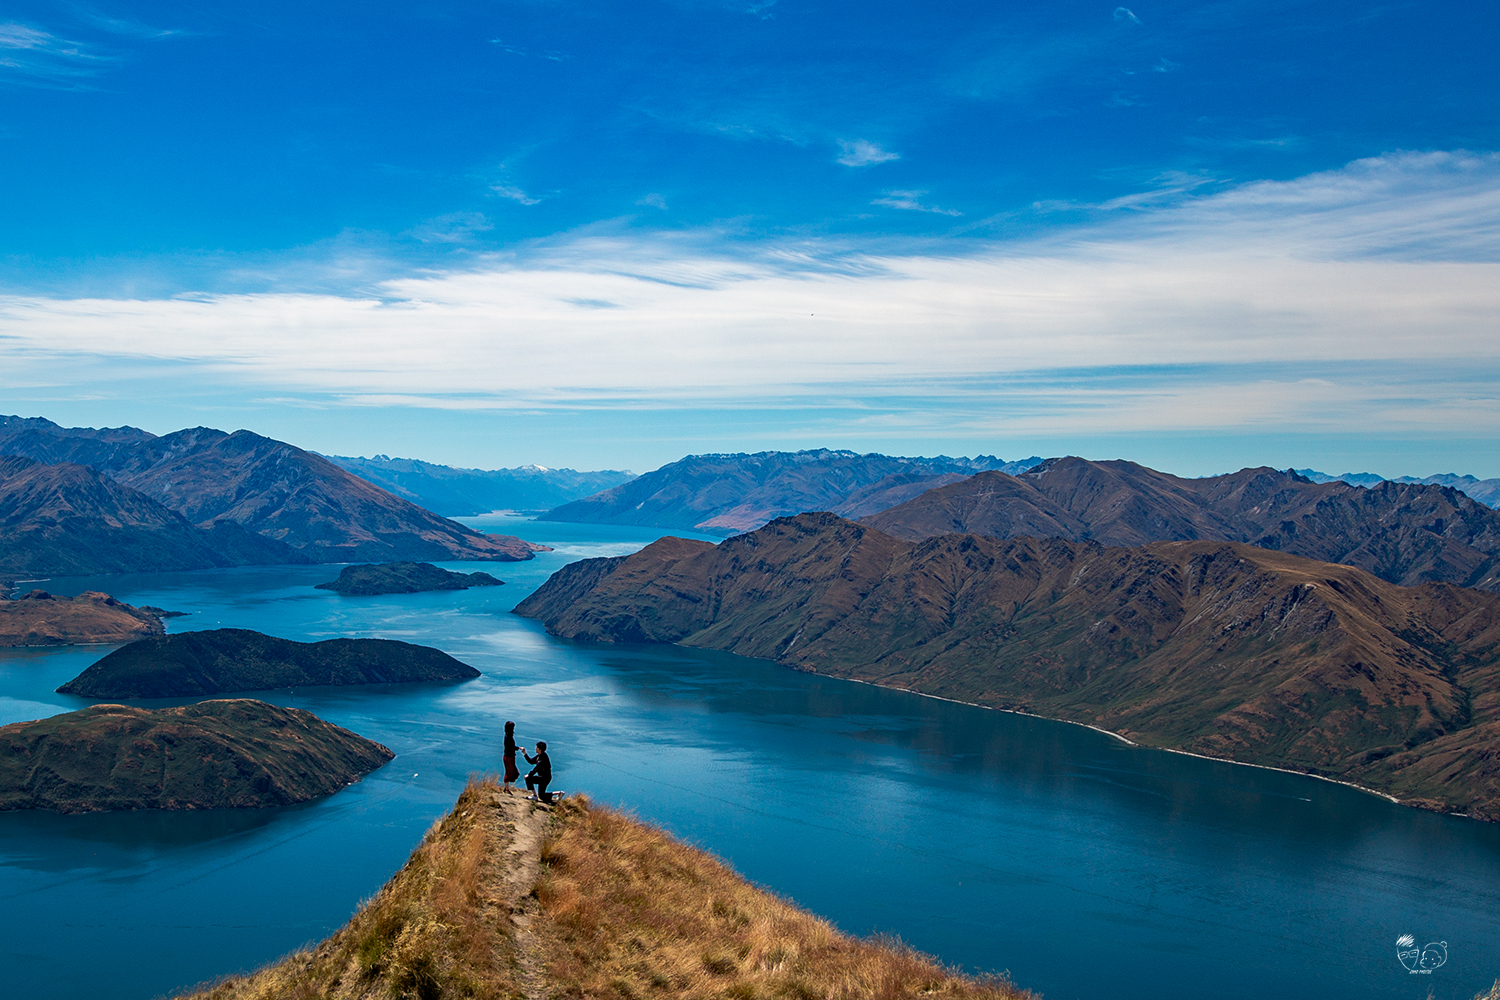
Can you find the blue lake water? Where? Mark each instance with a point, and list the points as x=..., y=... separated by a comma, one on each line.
x=1085, y=867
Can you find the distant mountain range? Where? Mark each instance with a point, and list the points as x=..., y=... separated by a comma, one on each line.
x=1404, y=533
x=456, y=492
x=1486, y=491
x=729, y=493
x=82, y=501
x=1214, y=647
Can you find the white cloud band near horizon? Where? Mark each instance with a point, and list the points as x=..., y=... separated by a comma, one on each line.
x=1392, y=262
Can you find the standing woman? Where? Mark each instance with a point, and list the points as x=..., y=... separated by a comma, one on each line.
x=512, y=772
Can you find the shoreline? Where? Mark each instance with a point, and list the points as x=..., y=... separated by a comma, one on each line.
x=1145, y=746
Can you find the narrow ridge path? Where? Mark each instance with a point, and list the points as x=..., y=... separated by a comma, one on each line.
x=523, y=825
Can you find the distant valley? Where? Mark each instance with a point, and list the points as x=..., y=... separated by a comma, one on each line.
x=455, y=492
x=1215, y=647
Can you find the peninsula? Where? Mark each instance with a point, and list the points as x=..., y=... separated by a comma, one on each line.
x=193, y=664
x=367, y=580
x=237, y=754
x=42, y=619
x=1216, y=648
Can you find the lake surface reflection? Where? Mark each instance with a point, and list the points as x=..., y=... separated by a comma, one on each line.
x=1085, y=867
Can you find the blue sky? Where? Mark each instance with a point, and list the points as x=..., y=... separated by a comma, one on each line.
x=1197, y=235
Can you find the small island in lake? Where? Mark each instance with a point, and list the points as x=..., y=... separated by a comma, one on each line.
x=42, y=619
x=191, y=664
x=233, y=754
x=369, y=579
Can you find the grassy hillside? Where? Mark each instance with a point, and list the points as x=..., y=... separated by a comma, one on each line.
x=42, y=619
x=504, y=899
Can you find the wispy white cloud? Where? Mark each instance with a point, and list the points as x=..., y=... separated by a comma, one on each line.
x=1126, y=14
x=454, y=227
x=863, y=153
x=652, y=200
x=1367, y=296
x=514, y=193
x=32, y=55
x=910, y=201
x=124, y=27
x=519, y=50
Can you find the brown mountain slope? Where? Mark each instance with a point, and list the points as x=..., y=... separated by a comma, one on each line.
x=266, y=488
x=505, y=899
x=1214, y=647
x=67, y=519
x=41, y=619
x=233, y=754
x=1406, y=533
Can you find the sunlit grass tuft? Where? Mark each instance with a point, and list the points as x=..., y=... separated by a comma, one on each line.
x=634, y=914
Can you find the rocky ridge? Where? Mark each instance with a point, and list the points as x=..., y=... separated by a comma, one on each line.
x=1405, y=533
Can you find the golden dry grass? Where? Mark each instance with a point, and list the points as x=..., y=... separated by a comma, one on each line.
x=631, y=914
x=437, y=929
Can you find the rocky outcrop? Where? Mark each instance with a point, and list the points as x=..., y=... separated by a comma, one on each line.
x=193, y=664
x=237, y=754
x=1214, y=647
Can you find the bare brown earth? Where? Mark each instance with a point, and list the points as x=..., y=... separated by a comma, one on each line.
x=1213, y=647
x=507, y=899
x=1406, y=533
x=266, y=488
x=41, y=619
x=234, y=754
